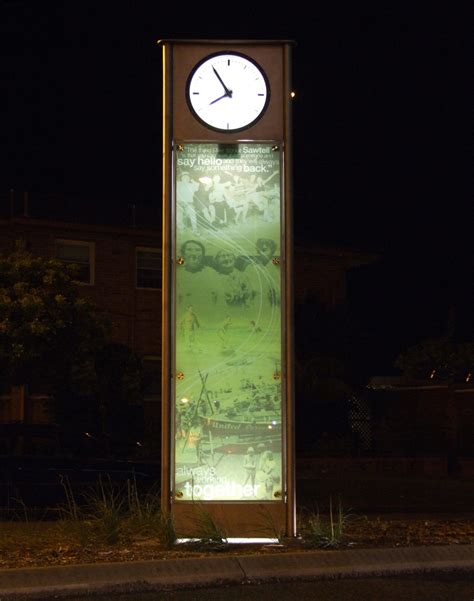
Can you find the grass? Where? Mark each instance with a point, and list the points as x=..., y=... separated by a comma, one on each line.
x=324, y=531
x=111, y=513
x=209, y=535
x=110, y=522
x=145, y=515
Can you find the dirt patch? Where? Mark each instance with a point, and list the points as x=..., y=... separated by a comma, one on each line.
x=38, y=544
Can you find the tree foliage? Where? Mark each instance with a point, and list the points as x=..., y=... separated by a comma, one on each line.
x=47, y=329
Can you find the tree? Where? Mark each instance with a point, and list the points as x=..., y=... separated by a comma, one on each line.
x=47, y=330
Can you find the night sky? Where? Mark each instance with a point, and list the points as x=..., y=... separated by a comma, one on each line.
x=382, y=130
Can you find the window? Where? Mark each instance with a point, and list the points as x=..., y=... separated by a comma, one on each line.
x=148, y=268
x=80, y=254
x=151, y=376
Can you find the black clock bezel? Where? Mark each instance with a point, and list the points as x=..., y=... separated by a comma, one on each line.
x=221, y=53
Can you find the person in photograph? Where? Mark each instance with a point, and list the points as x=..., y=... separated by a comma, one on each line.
x=267, y=468
x=250, y=467
x=204, y=209
x=194, y=254
x=223, y=334
x=185, y=210
x=189, y=325
x=239, y=199
x=259, y=196
x=264, y=273
x=218, y=199
x=232, y=205
x=272, y=213
x=196, y=283
x=235, y=287
x=265, y=251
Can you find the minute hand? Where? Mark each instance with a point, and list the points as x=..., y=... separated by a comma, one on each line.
x=227, y=91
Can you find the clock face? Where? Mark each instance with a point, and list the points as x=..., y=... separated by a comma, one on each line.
x=227, y=91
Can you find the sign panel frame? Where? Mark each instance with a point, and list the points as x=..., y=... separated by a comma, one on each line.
x=228, y=405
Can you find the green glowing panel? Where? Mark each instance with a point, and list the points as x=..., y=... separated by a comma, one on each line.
x=227, y=301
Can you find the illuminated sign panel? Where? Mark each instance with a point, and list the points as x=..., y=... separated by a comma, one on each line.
x=227, y=323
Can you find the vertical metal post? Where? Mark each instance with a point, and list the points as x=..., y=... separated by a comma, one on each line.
x=289, y=319
x=166, y=259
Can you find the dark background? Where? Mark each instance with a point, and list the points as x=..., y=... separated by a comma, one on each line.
x=382, y=132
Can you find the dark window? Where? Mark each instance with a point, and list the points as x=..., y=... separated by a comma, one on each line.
x=79, y=254
x=148, y=269
x=151, y=377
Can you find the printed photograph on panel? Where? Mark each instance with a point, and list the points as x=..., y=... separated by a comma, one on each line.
x=228, y=397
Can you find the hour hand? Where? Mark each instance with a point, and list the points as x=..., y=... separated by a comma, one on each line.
x=227, y=91
x=226, y=95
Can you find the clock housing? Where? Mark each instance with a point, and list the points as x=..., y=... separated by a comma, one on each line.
x=227, y=91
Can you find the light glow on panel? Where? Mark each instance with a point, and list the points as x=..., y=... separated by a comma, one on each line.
x=227, y=307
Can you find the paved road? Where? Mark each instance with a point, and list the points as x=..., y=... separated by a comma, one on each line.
x=452, y=587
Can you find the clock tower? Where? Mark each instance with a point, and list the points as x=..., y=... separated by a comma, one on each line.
x=227, y=379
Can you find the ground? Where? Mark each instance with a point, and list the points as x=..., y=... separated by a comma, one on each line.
x=372, y=511
x=34, y=544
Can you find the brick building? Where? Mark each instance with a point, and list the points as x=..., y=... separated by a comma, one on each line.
x=121, y=274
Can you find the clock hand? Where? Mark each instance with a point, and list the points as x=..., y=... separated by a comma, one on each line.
x=229, y=95
x=227, y=91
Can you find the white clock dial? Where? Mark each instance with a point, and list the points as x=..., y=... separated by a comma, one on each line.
x=228, y=92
